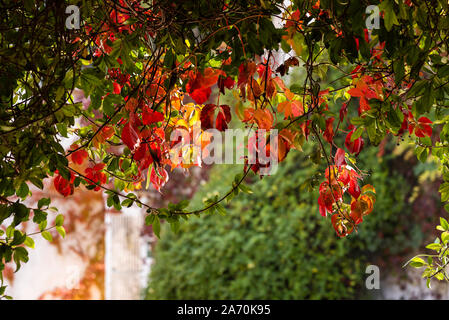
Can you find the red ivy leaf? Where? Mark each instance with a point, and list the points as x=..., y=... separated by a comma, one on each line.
x=207, y=116
x=201, y=95
x=225, y=83
x=343, y=111
x=354, y=146
x=423, y=128
x=361, y=207
x=328, y=196
x=117, y=88
x=78, y=156
x=223, y=118
x=149, y=116
x=158, y=178
x=129, y=136
x=246, y=70
x=199, y=84
x=63, y=186
x=107, y=132
x=329, y=132
x=340, y=157
x=354, y=188
x=141, y=152
x=342, y=226
x=208, y=113
x=95, y=175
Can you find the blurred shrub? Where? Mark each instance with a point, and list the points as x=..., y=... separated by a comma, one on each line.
x=273, y=244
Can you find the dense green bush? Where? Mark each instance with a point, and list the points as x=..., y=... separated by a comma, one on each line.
x=273, y=244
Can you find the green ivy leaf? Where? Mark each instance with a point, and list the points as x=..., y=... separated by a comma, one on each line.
x=156, y=226
x=43, y=202
x=47, y=236
x=434, y=246
x=29, y=242
x=417, y=262
x=20, y=255
x=59, y=220
x=175, y=226
x=390, y=18
x=444, y=224
x=23, y=190
x=61, y=231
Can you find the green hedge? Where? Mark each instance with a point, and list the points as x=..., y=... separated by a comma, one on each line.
x=273, y=244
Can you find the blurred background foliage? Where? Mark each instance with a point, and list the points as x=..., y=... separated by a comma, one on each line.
x=273, y=244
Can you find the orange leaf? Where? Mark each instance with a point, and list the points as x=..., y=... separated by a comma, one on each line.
x=264, y=118
x=291, y=108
